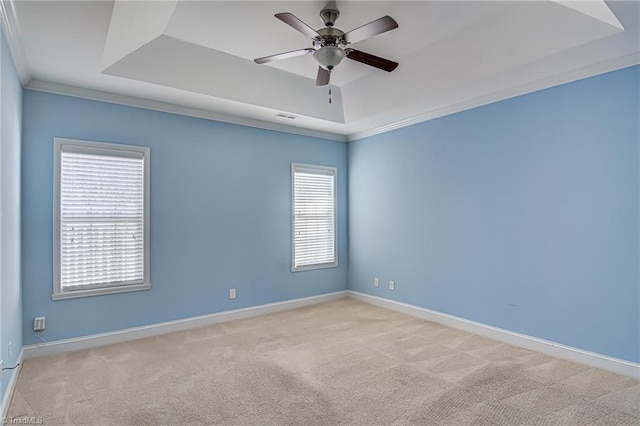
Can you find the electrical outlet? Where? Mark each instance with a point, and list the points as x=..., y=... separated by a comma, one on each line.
x=392, y=285
x=376, y=282
x=39, y=323
x=9, y=352
x=232, y=293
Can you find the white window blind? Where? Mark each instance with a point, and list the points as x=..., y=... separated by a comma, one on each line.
x=102, y=210
x=314, y=217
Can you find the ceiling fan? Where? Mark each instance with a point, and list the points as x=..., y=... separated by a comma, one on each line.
x=331, y=45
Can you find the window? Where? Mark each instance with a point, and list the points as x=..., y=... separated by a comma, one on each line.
x=314, y=217
x=101, y=218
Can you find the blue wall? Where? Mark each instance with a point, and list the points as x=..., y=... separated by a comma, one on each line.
x=10, y=137
x=522, y=214
x=220, y=215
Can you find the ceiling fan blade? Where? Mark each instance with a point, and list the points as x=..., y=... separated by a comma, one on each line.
x=323, y=77
x=372, y=60
x=291, y=20
x=285, y=55
x=379, y=26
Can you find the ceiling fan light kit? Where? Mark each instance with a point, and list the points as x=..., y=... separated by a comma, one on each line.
x=329, y=56
x=330, y=45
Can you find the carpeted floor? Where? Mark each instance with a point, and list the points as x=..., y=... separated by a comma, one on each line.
x=339, y=363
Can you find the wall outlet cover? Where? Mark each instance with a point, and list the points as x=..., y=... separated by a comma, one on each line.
x=39, y=323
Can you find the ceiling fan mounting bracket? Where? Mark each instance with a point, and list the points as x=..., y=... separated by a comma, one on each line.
x=329, y=16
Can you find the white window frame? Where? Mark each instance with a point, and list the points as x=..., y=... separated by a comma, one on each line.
x=309, y=168
x=87, y=147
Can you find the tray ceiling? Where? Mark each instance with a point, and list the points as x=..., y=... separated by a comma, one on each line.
x=195, y=57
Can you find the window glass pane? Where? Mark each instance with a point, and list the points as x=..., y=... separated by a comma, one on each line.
x=314, y=230
x=101, y=209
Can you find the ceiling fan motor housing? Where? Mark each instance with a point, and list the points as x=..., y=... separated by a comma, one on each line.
x=329, y=37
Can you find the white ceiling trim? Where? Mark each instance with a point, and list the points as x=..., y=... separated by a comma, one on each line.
x=114, y=98
x=11, y=28
x=533, y=86
x=529, y=87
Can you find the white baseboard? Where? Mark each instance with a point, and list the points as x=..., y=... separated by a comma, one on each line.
x=593, y=359
x=11, y=387
x=616, y=365
x=95, y=340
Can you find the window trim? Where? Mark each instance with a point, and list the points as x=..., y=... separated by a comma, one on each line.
x=297, y=167
x=81, y=146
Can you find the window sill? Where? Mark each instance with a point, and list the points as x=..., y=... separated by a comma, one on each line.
x=314, y=267
x=99, y=291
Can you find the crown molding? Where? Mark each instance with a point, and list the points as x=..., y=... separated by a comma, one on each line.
x=11, y=28
x=115, y=98
x=522, y=89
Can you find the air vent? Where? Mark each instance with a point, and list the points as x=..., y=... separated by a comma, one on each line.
x=285, y=115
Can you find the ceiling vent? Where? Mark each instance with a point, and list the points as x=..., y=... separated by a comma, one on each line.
x=285, y=115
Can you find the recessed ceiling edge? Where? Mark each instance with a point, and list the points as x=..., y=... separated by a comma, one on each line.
x=115, y=98
x=530, y=87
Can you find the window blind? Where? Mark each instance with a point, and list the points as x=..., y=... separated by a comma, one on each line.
x=101, y=220
x=314, y=228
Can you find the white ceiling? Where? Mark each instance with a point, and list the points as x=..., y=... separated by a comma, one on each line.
x=195, y=57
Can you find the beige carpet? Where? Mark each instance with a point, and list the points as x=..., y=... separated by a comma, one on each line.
x=339, y=363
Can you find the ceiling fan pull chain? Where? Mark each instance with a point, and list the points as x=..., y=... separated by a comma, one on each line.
x=329, y=93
